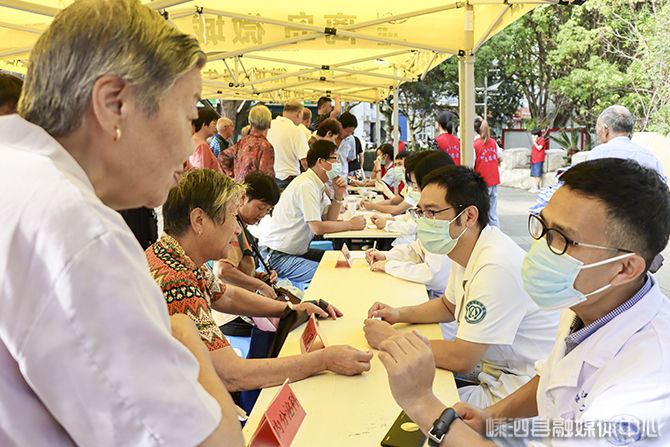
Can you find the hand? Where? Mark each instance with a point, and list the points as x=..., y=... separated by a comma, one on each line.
x=273, y=277
x=367, y=204
x=311, y=308
x=474, y=416
x=345, y=360
x=267, y=291
x=337, y=98
x=377, y=331
x=380, y=222
x=333, y=311
x=379, y=266
x=387, y=313
x=410, y=367
x=340, y=187
x=373, y=255
x=377, y=164
x=357, y=223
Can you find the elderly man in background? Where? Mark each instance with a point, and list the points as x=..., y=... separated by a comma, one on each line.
x=10, y=91
x=326, y=110
x=614, y=128
x=306, y=122
x=205, y=126
x=88, y=353
x=253, y=152
x=289, y=143
x=219, y=141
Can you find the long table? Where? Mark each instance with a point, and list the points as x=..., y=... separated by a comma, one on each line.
x=358, y=410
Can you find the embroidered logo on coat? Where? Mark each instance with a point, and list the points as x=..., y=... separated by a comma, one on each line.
x=475, y=312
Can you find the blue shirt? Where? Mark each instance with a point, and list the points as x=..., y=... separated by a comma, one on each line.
x=346, y=152
x=623, y=147
x=575, y=338
x=217, y=143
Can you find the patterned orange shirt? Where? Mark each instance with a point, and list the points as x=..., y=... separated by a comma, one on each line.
x=188, y=289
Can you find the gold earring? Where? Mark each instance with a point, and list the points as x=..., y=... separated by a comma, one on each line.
x=117, y=134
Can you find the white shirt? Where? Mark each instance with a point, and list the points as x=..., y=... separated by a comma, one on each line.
x=304, y=200
x=86, y=353
x=306, y=131
x=623, y=147
x=345, y=153
x=405, y=225
x=413, y=263
x=621, y=369
x=492, y=307
x=290, y=147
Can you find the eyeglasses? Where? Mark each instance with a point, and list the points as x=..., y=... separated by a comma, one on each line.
x=557, y=241
x=333, y=158
x=428, y=214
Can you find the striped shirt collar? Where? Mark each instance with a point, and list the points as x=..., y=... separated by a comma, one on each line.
x=578, y=336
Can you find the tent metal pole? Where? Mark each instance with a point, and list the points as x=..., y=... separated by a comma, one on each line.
x=30, y=7
x=378, y=127
x=396, y=129
x=466, y=93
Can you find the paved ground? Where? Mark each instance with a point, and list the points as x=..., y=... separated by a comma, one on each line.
x=513, y=207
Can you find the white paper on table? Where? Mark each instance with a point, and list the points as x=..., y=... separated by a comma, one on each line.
x=357, y=255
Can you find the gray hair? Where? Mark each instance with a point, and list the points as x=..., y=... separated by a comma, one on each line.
x=618, y=119
x=260, y=117
x=92, y=38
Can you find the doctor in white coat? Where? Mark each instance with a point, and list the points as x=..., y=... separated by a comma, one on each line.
x=606, y=381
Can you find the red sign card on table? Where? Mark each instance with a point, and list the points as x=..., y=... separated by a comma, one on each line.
x=311, y=339
x=346, y=262
x=280, y=422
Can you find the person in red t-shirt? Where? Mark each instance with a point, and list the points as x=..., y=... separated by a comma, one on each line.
x=537, y=153
x=446, y=140
x=486, y=164
x=205, y=127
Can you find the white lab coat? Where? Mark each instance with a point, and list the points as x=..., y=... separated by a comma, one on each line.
x=622, y=369
x=413, y=262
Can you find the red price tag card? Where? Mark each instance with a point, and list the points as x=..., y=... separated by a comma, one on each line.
x=347, y=258
x=308, y=335
x=281, y=420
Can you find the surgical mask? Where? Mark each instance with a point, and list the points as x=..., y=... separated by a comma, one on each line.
x=549, y=278
x=414, y=195
x=434, y=235
x=334, y=171
x=399, y=174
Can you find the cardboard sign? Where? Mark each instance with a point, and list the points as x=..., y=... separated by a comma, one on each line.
x=280, y=422
x=345, y=259
x=311, y=339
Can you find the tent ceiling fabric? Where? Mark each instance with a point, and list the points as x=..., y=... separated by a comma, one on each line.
x=275, y=51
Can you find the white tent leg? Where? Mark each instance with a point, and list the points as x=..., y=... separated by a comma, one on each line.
x=378, y=126
x=396, y=129
x=466, y=91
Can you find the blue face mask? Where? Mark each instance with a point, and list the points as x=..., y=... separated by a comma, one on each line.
x=399, y=174
x=434, y=235
x=549, y=278
x=414, y=196
x=334, y=171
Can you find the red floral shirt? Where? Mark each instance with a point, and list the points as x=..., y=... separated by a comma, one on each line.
x=188, y=289
x=252, y=153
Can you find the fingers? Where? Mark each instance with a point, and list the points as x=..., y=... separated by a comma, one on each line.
x=372, y=312
x=331, y=312
x=421, y=337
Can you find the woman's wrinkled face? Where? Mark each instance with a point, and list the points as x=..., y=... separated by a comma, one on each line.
x=158, y=146
x=217, y=237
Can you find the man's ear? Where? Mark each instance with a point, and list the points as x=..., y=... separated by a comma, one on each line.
x=631, y=268
x=471, y=215
x=109, y=99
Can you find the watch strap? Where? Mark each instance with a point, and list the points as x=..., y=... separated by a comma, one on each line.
x=441, y=426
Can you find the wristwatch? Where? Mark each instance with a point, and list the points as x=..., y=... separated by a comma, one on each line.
x=289, y=305
x=441, y=426
x=338, y=201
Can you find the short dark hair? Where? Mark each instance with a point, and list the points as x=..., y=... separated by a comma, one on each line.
x=412, y=161
x=323, y=100
x=465, y=188
x=347, y=120
x=433, y=161
x=206, y=189
x=329, y=124
x=10, y=90
x=446, y=120
x=535, y=131
x=262, y=187
x=402, y=155
x=386, y=149
x=637, y=201
x=320, y=149
x=205, y=116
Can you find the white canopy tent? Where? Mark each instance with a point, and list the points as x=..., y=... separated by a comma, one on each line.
x=276, y=51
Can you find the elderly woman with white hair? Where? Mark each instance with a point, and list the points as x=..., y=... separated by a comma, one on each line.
x=88, y=353
x=253, y=152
